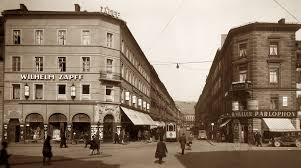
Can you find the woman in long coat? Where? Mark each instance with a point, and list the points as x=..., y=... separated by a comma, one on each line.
x=161, y=150
x=47, y=153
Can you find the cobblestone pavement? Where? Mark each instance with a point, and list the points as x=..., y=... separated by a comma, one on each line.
x=140, y=155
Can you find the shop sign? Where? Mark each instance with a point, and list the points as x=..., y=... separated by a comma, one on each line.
x=265, y=114
x=51, y=76
x=109, y=11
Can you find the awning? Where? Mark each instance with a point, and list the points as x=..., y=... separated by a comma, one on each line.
x=138, y=118
x=279, y=124
x=225, y=123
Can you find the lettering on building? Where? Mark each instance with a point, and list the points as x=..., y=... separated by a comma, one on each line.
x=264, y=114
x=51, y=77
x=108, y=11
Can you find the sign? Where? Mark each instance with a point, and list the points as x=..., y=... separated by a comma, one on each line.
x=264, y=114
x=51, y=76
x=110, y=12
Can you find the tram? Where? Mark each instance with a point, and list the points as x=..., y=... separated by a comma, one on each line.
x=171, y=131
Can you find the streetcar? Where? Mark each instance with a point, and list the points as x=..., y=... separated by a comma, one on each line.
x=171, y=131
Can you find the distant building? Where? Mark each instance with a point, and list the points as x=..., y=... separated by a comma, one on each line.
x=75, y=72
x=252, y=84
x=188, y=113
x=189, y=120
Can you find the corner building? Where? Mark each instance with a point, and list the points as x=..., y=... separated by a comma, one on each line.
x=252, y=83
x=74, y=72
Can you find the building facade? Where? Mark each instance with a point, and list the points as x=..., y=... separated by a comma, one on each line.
x=77, y=73
x=251, y=84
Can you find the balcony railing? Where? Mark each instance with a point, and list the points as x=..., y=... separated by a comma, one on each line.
x=109, y=76
x=241, y=85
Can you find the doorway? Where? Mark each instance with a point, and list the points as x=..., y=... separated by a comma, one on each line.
x=108, y=128
x=14, y=130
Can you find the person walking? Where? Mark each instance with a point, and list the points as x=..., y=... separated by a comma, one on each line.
x=4, y=156
x=47, y=153
x=161, y=150
x=93, y=145
x=63, y=140
x=190, y=138
x=139, y=135
x=257, y=138
x=182, y=141
x=87, y=139
x=116, y=138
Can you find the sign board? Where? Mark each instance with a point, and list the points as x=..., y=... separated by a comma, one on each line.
x=263, y=114
x=51, y=76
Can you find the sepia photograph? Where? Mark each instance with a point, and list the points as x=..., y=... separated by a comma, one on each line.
x=150, y=83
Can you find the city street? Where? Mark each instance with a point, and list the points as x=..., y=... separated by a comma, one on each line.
x=138, y=154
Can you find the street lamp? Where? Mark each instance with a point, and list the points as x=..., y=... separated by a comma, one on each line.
x=212, y=125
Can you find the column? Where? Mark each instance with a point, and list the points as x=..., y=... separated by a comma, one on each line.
x=45, y=131
x=93, y=130
x=101, y=132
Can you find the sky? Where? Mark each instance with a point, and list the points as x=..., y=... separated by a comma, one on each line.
x=179, y=31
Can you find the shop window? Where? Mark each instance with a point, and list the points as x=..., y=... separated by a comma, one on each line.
x=243, y=49
x=274, y=103
x=38, y=91
x=39, y=37
x=62, y=64
x=62, y=37
x=17, y=36
x=16, y=91
x=61, y=89
x=16, y=63
x=273, y=48
x=109, y=40
x=85, y=37
x=39, y=64
x=86, y=64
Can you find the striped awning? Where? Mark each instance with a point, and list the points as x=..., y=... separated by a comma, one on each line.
x=279, y=124
x=138, y=118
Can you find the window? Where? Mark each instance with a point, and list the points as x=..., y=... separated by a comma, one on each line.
x=274, y=74
x=109, y=90
x=38, y=91
x=62, y=37
x=86, y=64
x=16, y=91
x=85, y=89
x=109, y=40
x=39, y=64
x=242, y=75
x=274, y=49
x=109, y=65
x=122, y=46
x=284, y=101
x=17, y=36
x=39, y=37
x=86, y=37
x=243, y=49
x=274, y=103
x=16, y=63
x=61, y=89
x=122, y=70
x=62, y=64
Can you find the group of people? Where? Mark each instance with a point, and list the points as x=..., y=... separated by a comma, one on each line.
x=122, y=138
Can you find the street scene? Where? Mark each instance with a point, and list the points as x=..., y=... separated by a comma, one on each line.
x=131, y=84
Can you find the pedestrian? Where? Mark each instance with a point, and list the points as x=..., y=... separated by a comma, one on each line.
x=161, y=150
x=63, y=140
x=47, y=153
x=4, y=155
x=87, y=139
x=97, y=141
x=93, y=145
x=139, y=135
x=182, y=141
x=190, y=138
x=116, y=138
x=257, y=138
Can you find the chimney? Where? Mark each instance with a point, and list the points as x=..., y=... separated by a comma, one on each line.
x=77, y=7
x=281, y=21
x=23, y=7
x=223, y=38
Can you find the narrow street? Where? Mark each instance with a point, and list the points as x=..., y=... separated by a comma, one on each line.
x=139, y=154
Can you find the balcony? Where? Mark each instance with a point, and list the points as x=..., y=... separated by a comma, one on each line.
x=109, y=76
x=241, y=85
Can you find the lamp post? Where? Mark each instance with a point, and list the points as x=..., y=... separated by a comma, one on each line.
x=212, y=125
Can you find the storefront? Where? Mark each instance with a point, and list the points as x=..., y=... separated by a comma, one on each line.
x=57, y=125
x=81, y=127
x=34, y=130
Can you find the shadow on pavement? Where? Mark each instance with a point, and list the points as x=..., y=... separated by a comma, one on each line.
x=241, y=159
x=60, y=161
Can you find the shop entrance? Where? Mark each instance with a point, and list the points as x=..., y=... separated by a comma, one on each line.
x=57, y=125
x=34, y=127
x=81, y=127
x=108, y=128
x=13, y=130
x=244, y=134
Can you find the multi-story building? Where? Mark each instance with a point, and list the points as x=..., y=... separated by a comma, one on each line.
x=74, y=72
x=251, y=84
x=1, y=73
